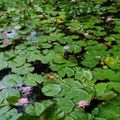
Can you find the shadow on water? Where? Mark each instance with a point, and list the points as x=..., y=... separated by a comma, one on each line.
x=4, y=72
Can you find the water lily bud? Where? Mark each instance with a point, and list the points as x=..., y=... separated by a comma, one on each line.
x=108, y=20
x=86, y=34
x=49, y=41
x=66, y=47
x=23, y=101
x=82, y=104
x=5, y=42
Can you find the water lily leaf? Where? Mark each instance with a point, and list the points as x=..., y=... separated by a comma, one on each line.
x=79, y=75
x=104, y=110
x=75, y=48
x=18, y=61
x=88, y=74
x=84, y=74
x=117, y=29
x=8, y=54
x=114, y=85
x=12, y=99
x=61, y=72
x=4, y=110
x=91, y=63
x=37, y=109
x=100, y=89
x=58, y=58
x=10, y=92
x=108, y=95
x=32, y=79
x=99, y=2
x=65, y=105
x=12, y=115
x=46, y=45
x=79, y=115
x=12, y=80
x=102, y=74
x=55, y=67
x=109, y=38
x=81, y=95
x=51, y=89
x=3, y=64
x=23, y=69
x=69, y=71
x=69, y=118
x=58, y=49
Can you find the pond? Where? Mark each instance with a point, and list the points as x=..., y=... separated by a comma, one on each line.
x=60, y=60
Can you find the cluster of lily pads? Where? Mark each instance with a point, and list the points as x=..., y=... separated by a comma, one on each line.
x=60, y=60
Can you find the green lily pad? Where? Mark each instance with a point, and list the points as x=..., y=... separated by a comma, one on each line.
x=51, y=89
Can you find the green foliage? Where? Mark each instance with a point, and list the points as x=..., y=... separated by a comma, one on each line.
x=106, y=109
x=56, y=54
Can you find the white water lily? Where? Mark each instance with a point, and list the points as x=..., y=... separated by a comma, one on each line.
x=17, y=27
x=66, y=47
x=33, y=33
x=13, y=34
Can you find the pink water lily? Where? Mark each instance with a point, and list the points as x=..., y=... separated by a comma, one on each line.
x=26, y=90
x=82, y=104
x=109, y=19
x=23, y=101
x=5, y=42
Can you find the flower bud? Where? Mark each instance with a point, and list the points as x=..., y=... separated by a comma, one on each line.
x=86, y=34
x=108, y=19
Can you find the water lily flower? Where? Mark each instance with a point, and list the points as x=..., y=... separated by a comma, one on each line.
x=86, y=34
x=17, y=27
x=109, y=19
x=13, y=34
x=33, y=33
x=5, y=42
x=23, y=101
x=26, y=90
x=66, y=47
x=82, y=104
x=73, y=0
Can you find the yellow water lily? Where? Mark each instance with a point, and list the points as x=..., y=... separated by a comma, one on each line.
x=59, y=21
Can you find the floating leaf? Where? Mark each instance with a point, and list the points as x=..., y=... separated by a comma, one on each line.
x=38, y=108
x=65, y=105
x=12, y=80
x=33, y=79
x=51, y=89
x=108, y=111
x=3, y=64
